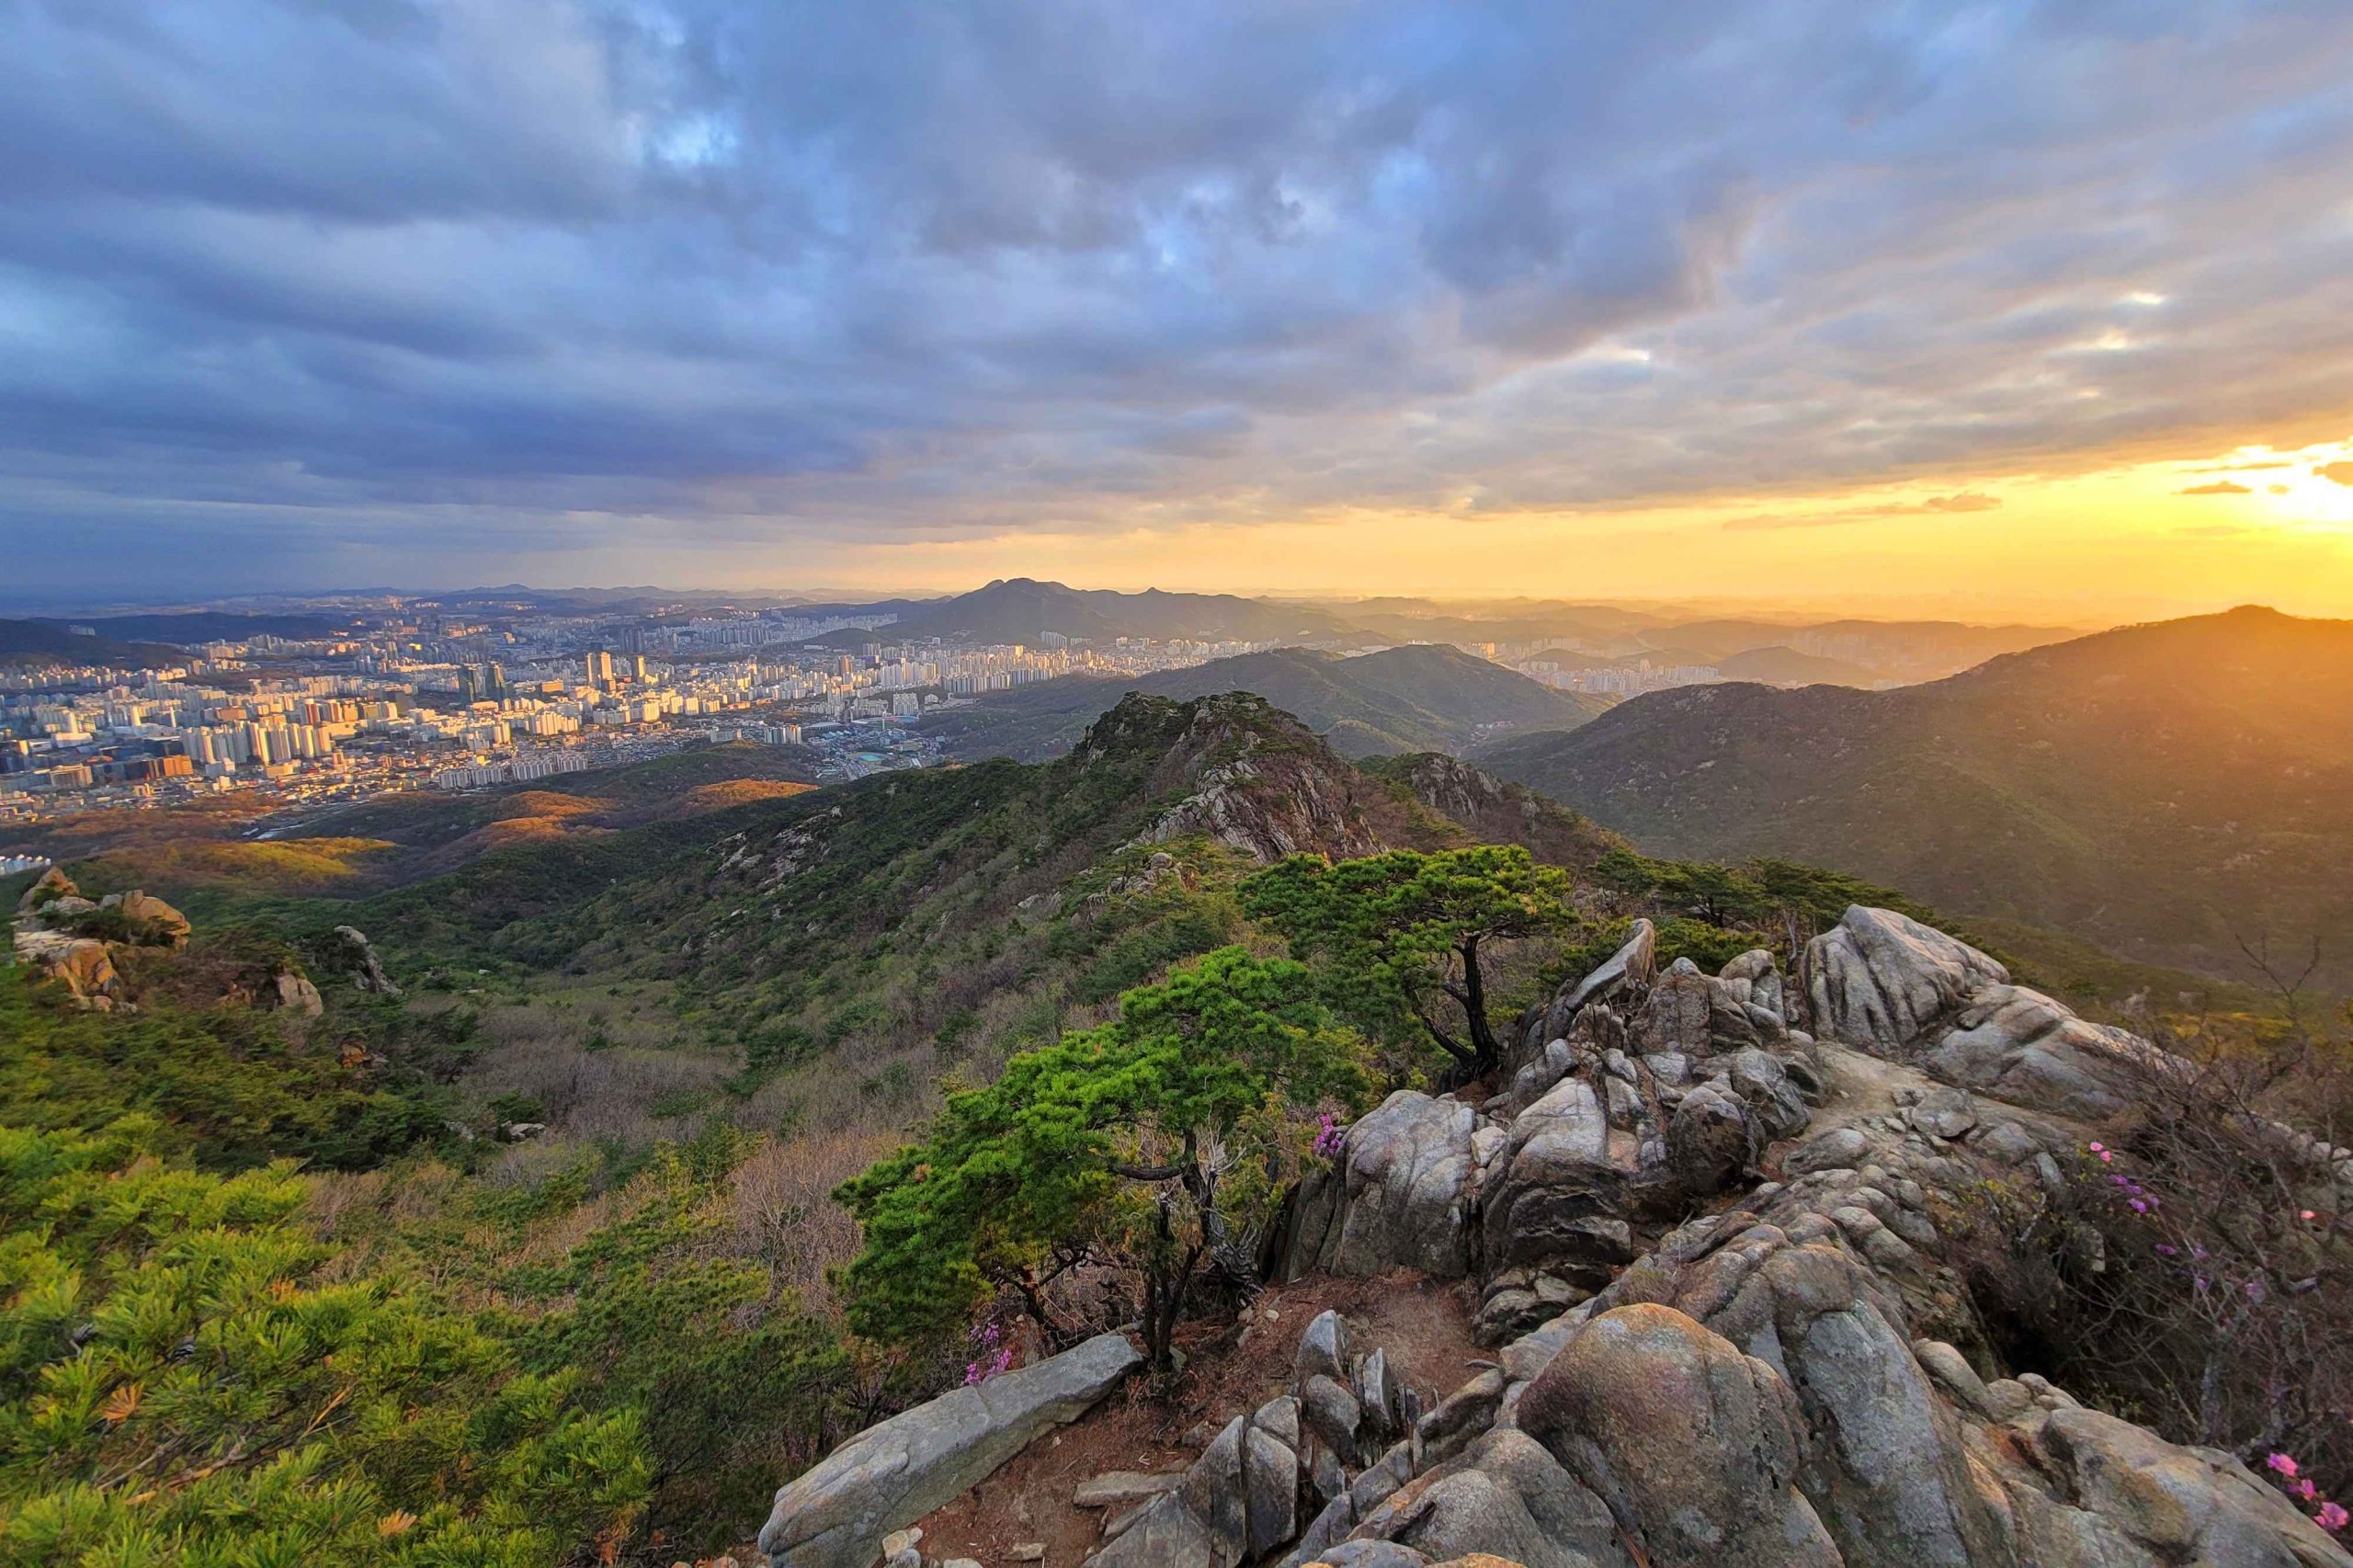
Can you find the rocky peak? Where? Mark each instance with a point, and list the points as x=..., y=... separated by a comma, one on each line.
x=1250, y=776
x=1496, y=811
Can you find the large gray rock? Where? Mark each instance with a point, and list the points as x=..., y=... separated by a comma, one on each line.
x=1765, y=1085
x=2021, y=1046
x=1565, y=1178
x=1634, y=964
x=1675, y=1014
x=359, y=957
x=1885, y=983
x=1693, y=1447
x=1237, y=1504
x=892, y=1474
x=2180, y=1505
x=1757, y=981
x=1400, y=1195
x=1506, y=1498
x=1711, y=1140
x=1166, y=1533
x=1878, y=981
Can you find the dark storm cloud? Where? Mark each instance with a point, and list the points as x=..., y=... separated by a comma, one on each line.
x=350, y=274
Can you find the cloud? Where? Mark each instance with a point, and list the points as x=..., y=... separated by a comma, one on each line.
x=2340, y=471
x=1966, y=501
x=1961, y=501
x=521, y=275
x=2219, y=487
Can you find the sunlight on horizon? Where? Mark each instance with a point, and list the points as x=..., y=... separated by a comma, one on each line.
x=2249, y=523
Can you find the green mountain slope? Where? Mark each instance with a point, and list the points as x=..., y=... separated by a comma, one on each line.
x=1420, y=697
x=2163, y=791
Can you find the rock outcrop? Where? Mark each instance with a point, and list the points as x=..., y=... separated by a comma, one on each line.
x=1398, y=1195
x=892, y=1474
x=295, y=993
x=1279, y=1470
x=1260, y=784
x=357, y=959
x=1701, y=1368
x=72, y=939
x=147, y=920
x=1883, y=982
x=81, y=964
x=51, y=885
x=1619, y=1121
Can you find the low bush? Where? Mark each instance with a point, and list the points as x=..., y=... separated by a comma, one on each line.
x=2194, y=1266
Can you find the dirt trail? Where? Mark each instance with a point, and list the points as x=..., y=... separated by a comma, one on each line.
x=1425, y=1325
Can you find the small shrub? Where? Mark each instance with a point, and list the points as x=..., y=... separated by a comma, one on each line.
x=2194, y=1268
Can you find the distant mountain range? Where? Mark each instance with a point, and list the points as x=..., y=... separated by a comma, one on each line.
x=1847, y=653
x=47, y=643
x=1022, y=609
x=2166, y=790
x=1786, y=666
x=137, y=640
x=1425, y=696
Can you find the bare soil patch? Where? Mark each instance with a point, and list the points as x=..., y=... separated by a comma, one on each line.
x=1231, y=1368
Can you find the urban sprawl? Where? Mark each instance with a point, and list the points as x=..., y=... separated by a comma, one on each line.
x=410, y=697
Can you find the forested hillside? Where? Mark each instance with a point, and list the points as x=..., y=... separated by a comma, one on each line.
x=1422, y=696
x=545, y=1206
x=2166, y=791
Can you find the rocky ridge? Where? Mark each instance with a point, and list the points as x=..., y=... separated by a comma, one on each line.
x=72, y=939
x=1260, y=782
x=1698, y=1365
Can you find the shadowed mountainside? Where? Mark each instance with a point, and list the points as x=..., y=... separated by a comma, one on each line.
x=1424, y=697
x=2163, y=791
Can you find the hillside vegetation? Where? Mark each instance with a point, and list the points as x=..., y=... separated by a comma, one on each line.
x=2165, y=791
x=592, y=1162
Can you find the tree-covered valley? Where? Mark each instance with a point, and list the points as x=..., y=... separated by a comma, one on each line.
x=544, y=1176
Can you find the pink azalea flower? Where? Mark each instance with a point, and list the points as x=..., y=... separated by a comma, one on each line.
x=2284, y=1463
x=2308, y=1214
x=2305, y=1489
x=2332, y=1518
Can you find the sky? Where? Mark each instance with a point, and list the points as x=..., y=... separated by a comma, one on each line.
x=1996, y=309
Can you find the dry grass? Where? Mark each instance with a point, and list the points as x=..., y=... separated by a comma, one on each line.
x=732, y=792
x=783, y=1213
